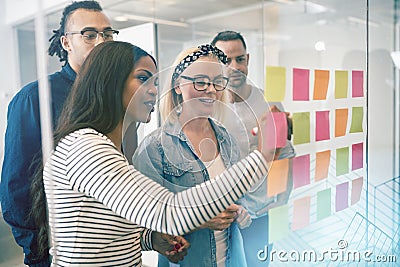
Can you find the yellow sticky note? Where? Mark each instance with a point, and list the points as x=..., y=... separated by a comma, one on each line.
x=357, y=114
x=301, y=128
x=341, y=83
x=275, y=84
x=278, y=223
x=342, y=161
x=323, y=204
x=277, y=177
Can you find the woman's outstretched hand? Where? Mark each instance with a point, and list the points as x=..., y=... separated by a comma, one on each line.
x=266, y=137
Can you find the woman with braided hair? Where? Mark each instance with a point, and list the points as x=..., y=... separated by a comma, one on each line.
x=83, y=25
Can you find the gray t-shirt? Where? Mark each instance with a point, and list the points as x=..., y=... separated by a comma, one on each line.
x=239, y=120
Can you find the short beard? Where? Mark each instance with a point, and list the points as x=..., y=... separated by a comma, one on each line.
x=238, y=85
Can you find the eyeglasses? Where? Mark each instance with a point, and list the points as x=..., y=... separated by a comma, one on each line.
x=91, y=36
x=202, y=83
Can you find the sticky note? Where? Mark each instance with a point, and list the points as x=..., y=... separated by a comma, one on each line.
x=278, y=223
x=357, y=152
x=342, y=196
x=342, y=161
x=277, y=129
x=301, y=84
x=301, y=171
x=341, y=116
x=341, y=84
x=322, y=128
x=322, y=162
x=357, y=114
x=356, y=188
x=277, y=177
x=301, y=213
x=301, y=128
x=275, y=84
x=357, y=83
x=323, y=204
x=321, y=82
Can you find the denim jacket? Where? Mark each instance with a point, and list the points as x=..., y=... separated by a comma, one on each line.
x=168, y=157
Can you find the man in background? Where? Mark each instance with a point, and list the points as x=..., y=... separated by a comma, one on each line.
x=83, y=25
x=248, y=104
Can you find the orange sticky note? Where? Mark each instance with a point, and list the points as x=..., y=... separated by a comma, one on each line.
x=341, y=116
x=356, y=188
x=301, y=213
x=277, y=177
x=322, y=164
x=321, y=82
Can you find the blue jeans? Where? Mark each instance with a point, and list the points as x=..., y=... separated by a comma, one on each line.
x=255, y=238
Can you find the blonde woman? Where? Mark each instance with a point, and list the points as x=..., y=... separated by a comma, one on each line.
x=192, y=147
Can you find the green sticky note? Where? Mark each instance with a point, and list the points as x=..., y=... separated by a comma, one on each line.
x=341, y=83
x=278, y=223
x=323, y=204
x=301, y=128
x=357, y=114
x=342, y=161
x=275, y=84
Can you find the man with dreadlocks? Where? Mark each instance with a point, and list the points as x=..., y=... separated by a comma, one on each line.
x=83, y=25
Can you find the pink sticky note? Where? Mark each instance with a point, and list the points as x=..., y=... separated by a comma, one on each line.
x=356, y=188
x=322, y=131
x=301, y=213
x=357, y=83
x=277, y=129
x=357, y=156
x=342, y=196
x=301, y=84
x=301, y=171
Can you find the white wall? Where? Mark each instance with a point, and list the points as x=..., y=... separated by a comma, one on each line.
x=20, y=10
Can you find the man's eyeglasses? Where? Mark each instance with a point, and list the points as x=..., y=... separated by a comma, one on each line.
x=202, y=83
x=91, y=36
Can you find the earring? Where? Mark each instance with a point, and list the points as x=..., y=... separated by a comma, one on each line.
x=178, y=109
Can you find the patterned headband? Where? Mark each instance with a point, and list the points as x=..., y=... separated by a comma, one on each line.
x=189, y=59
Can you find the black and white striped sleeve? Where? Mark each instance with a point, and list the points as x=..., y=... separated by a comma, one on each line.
x=97, y=169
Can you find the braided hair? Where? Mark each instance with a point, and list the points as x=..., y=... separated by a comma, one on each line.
x=55, y=43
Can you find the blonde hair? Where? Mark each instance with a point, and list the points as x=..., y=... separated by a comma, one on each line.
x=170, y=100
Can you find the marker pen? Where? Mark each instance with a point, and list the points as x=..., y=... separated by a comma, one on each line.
x=254, y=131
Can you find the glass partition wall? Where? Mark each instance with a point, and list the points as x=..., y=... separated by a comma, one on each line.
x=329, y=63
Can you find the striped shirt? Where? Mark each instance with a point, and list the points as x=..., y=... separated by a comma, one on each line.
x=99, y=205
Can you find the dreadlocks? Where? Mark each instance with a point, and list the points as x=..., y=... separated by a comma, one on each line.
x=55, y=43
